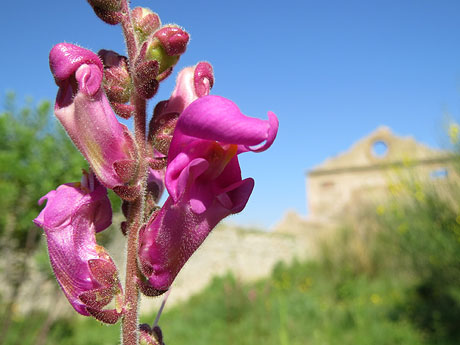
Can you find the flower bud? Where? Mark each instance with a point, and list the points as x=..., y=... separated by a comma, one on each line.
x=145, y=22
x=107, y=10
x=173, y=39
x=117, y=81
x=191, y=84
x=166, y=46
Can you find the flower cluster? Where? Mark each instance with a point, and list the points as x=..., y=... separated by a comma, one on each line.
x=190, y=148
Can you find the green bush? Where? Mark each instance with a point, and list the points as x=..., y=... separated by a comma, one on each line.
x=424, y=233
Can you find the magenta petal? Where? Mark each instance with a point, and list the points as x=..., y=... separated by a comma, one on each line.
x=186, y=175
x=89, y=79
x=217, y=118
x=66, y=58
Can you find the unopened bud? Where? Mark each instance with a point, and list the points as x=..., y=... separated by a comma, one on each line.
x=106, y=5
x=117, y=81
x=166, y=46
x=107, y=10
x=145, y=22
x=173, y=39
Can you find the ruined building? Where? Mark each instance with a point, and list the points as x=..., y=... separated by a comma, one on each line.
x=369, y=170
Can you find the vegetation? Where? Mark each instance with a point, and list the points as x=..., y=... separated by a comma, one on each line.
x=394, y=278
x=402, y=287
x=29, y=142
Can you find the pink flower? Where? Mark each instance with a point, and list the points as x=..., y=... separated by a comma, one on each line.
x=204, y=181
x=88, y=277
x=84, y=111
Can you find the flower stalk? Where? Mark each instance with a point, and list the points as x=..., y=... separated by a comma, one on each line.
x=130, y=317
x=130, y=322
x=128, y=31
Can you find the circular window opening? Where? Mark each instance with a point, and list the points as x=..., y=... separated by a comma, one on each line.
x=379, y=149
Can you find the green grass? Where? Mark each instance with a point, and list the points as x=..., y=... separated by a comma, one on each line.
x=303, y=303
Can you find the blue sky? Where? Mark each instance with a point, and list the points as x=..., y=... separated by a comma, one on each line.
x=332, y=71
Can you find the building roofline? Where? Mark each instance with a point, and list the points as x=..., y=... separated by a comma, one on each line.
x=380, y=166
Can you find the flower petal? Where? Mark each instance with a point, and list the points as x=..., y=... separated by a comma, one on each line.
x=66, y=58
x=217, y=118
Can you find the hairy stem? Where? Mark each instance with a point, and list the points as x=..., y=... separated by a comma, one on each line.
x=128, y=31
x=135, y=219
x=130, y=315
x=136, y=214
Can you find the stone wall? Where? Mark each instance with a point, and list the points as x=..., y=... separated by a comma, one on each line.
x=248, y=254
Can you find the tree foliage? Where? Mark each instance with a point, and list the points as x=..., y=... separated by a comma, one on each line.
x=35, y=157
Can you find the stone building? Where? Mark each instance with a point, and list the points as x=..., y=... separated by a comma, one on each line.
x=366, y=171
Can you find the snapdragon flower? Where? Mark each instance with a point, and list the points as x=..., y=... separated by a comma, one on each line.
x=74, y=212
x=85, y=113
x=203, y=178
